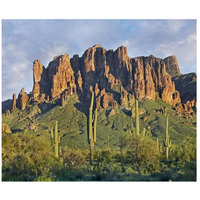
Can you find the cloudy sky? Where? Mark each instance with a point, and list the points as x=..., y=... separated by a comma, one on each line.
x=23, y=41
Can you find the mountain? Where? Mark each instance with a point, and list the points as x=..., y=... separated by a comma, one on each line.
x=62, y=91
x=172, y=66
x=104, y=71
x=57, y=111
x=186, y=85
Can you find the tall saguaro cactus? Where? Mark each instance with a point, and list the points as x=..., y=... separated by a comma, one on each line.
x=157, y=145
x=137, y=128
x=92, y=126
x=167, y=142
x=55, y=140
x=108, y=143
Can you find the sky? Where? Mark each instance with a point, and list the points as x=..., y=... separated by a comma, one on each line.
x=24, y=41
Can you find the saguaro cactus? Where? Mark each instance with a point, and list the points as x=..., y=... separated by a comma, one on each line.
x=137, y=128
x=108, y=143
x=157, y=145
x=92, y=126
x=55, y=140
x=167, y=142
x=144, y=132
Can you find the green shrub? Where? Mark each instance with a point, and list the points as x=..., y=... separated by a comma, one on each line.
x=142, y=153
x=73, y=159
x=185, y=152
x=25, y=157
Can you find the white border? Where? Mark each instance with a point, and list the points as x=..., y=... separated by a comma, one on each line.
x=101, y=9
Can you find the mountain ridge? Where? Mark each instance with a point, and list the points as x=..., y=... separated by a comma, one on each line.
x=140, y=77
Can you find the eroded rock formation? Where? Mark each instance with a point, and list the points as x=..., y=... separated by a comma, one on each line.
x=172, y=67
x=106, y=70
x=141, y=77
x=14, y=102
x=22, y=99
x=6, y=128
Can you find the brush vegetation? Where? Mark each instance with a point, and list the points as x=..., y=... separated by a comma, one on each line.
x=61, y=152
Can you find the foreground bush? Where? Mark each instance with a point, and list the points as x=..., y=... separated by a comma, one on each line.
x=74, y=159
x=186, y=152
x=143, y=154
x=25, y=157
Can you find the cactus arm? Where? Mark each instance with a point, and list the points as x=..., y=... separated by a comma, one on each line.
x=55, y=140
x=52, y=138
x=136, y=118
x=167, y=142
x=91, y=118
x=92, y=125
x=167, y=135
x=95, y=125
x=157, y=142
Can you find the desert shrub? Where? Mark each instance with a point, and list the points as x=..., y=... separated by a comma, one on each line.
x=105, y=166
x=141, y=150
x=44, y=178
x=25, y=157
x=104, y=157
x=124, y=142
x=186, y=172
x=142, y=153
x=186, y=152
x=74, y=159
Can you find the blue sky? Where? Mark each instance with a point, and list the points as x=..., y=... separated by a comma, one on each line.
x=23, y=41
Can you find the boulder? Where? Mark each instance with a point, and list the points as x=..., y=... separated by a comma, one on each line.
x=6, y=128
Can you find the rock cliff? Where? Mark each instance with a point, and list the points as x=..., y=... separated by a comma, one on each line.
x=172, y=67
x=142, y=76
x=104, y=70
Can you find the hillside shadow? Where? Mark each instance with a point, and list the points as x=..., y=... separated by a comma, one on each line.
x=16, y=130
x=127, y=112
x=6, y=105
x=82, y=107
x=116, y=95
x=45, y=107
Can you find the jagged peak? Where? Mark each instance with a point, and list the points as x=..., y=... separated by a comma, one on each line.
x=152, y=56
x=76, y=56
x=22, y=90
x=36, y=61
x=172, y=66
x=57, y=57
x=97, y=46
x=121, y=47
x=171, y=56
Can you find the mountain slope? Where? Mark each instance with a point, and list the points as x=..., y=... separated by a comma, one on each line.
x=62, y=92
x=72, y=123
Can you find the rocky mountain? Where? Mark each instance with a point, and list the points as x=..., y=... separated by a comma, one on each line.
x=172, y=66
x=186, y=85
x=103, y=71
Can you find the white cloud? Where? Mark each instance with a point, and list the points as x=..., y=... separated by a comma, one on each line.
x=23, y=41
x=174, y=25
x=184, y=50
x=50, y=53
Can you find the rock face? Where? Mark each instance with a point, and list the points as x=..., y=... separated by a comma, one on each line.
x=14, y=102
x=186, y=85
x=7, y=113
x=63, y=79
x=6, y=129
x=52, y=81
x=22, y=99
x=172, y=67
x=141, y=77
x=39, y=79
